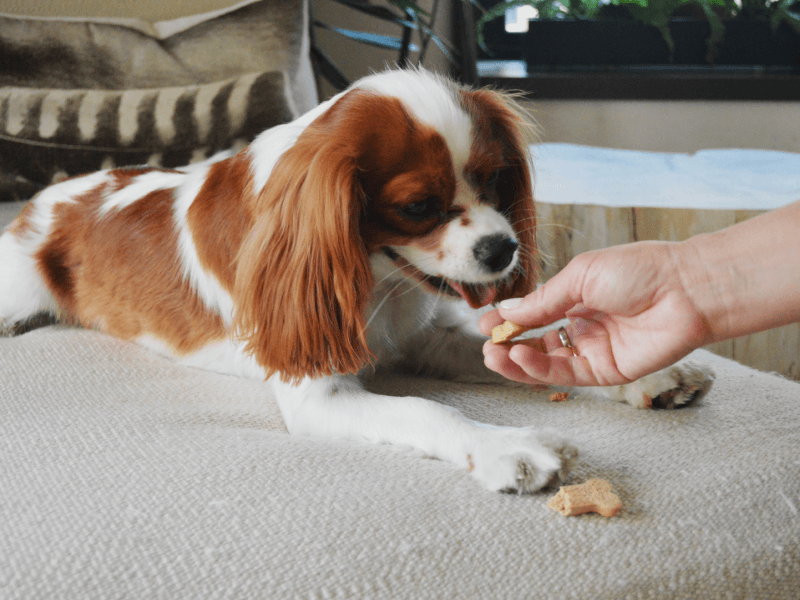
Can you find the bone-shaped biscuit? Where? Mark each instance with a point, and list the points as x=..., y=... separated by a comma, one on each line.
x=507, y=331
x=593, y=496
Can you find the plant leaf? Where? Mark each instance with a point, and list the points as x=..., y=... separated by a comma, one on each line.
x=654, y=13
x=782, y=14
x=791, y=18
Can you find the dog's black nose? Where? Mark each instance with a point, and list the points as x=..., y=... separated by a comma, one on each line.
x=495, y=252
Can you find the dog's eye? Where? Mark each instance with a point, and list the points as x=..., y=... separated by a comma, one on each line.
x=488, y=193
x=422, y=210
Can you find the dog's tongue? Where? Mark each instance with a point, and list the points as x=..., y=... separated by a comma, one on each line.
x=475, y=295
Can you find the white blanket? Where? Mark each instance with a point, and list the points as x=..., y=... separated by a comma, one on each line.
x=710, y=179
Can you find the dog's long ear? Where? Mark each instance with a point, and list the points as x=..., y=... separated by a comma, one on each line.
x=499, y=117
x=303, y=278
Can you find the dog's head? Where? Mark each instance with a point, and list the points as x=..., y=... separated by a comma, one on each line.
x=407, y=165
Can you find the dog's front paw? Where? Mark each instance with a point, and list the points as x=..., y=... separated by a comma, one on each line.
x=672, y=387
x=521, y=460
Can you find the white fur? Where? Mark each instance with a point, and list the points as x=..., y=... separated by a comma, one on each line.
x=23, y=292
x=457, y=261
x=141, y=186
x=206, y=285
x=21, y=287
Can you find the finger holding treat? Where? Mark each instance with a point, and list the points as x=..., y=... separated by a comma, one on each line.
x=573, y=355
x=537, y=360
x=527, y=312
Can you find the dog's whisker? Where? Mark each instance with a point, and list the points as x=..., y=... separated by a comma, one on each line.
x=388, y=275
x=382, y=302
x=418, y=284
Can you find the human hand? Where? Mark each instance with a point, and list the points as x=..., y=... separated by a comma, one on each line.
x=629, y=314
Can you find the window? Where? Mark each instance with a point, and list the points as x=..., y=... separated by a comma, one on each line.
x=608, y=52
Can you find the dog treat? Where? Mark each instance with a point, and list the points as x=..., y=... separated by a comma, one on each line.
x=507, y=331
x=593, y=496
x=558, y=396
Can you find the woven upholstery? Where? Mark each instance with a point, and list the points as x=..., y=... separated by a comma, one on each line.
x=123, y=475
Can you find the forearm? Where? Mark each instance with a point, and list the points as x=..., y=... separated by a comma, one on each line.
x=745, y=278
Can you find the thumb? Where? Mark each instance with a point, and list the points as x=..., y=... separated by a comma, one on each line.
x=549, y=303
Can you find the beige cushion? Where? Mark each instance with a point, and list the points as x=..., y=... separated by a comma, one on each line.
x=125, y=475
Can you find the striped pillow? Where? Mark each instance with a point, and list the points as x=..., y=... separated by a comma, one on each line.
x=49, y=134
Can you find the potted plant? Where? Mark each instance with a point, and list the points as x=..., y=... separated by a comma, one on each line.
x=597, y=33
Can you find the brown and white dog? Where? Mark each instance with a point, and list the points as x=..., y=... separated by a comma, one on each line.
x=326, y=247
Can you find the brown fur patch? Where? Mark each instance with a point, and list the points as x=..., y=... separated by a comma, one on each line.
x=303, y=278
x=404, y=163
x=220, y=207
x=121, y=272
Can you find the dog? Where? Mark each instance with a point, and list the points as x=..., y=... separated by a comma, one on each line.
x=332, y=245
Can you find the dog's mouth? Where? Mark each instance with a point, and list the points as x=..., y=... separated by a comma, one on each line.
x=477, y=295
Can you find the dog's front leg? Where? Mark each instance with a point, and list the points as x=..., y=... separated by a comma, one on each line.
x=502, y=458
x=450, y=348
x=449, y=353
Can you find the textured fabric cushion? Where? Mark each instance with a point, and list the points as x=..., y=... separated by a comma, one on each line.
x=124, y=475
x=78, y=96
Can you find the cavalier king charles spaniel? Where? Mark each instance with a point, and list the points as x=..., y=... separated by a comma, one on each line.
x=329, y=246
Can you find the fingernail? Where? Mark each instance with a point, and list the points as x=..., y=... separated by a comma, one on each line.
x=511, y=303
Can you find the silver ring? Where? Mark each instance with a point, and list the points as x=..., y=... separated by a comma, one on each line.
x=565, y=341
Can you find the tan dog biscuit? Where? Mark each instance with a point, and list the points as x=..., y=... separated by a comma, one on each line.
x=593, y=496
x=507, y=331
x=558, y=396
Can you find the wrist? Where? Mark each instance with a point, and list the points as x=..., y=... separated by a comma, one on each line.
x=706, y=287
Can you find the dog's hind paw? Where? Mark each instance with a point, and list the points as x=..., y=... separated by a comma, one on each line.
x=673, y=387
